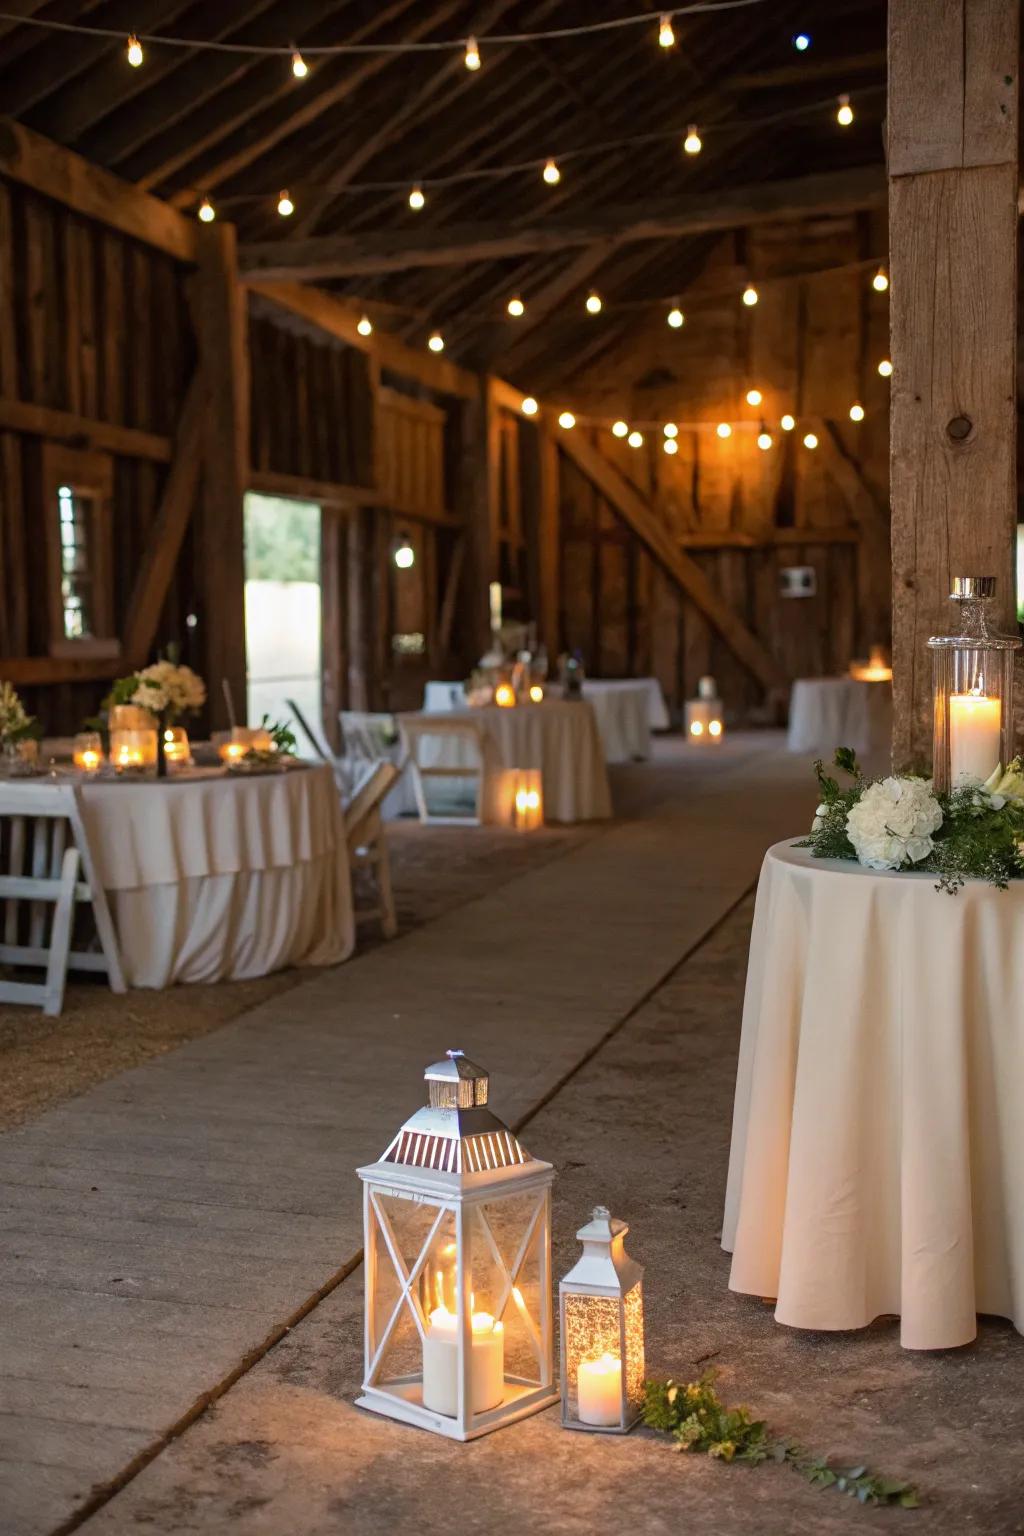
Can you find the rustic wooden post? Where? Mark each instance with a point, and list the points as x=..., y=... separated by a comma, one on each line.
x=953, y=166
x=222, y=333
x=479, y=491
x=549, y=541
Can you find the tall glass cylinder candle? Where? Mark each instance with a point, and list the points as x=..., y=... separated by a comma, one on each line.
x=972, y=690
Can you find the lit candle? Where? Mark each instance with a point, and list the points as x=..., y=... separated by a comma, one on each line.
x=441, y=1363
x=232, y=751
x=505, y=696
x=599, y=1390
x=974, y=732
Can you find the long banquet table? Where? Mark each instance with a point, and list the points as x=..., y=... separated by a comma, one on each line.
x=215, y=878
x=626, y=711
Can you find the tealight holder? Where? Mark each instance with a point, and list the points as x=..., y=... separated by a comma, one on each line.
x=703, y=719
x=972, y=691
x=134, y=751
x=87, y=751
x=505, y=696
x=176, y=746
x=602, y=1334
x=527, y=799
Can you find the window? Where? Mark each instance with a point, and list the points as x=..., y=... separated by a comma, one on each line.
x=77, y=489
x=75, y=514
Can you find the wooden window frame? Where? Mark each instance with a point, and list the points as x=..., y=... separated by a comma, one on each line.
x=90, y=474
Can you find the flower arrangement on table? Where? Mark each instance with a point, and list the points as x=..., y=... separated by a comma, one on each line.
x=973, y=832
x=266, y=748
x=18, y=733
x=167, y=691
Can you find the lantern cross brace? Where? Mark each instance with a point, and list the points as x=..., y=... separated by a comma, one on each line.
x=407, y=1278
x=511, y=1277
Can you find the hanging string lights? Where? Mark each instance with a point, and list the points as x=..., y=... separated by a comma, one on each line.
x=880, y=281
x=750, y=295
x=754, y=397
x=552, y=175
x=675, y=317
x=594, y=304
x=844, y=112
x=435, y=341
x=724, y=429
x=515, y=307
x=788, y=422
x=206, y=211
x=635, y=439
x=364, y=326
x=811, y=440
x=692, y=143
x=472, y=55
x=133, y=51
x=567, y=420
x=885, y=368
x=764, y=439
x=285, y=206
x=666, y=36
x=670, y=445
x=670, y=429
x=856, y=411
x=529, y=406
x=300, y=69
x=416, y=198
x=620, y=429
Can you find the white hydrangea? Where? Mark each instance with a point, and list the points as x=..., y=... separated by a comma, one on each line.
x=892, y=823
x=166, y=688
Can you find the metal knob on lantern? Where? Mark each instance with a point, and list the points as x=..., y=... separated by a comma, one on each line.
x=972, y=691
x=602, y=1331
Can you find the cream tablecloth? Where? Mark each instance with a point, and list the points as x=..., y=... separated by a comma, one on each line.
x=877, y=1160
x=217, y=878
x=830, y=712
x=657, y=709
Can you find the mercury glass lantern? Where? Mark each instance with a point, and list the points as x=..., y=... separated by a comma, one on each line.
x=703, y=715
x=602, y=1331
x=972, y=691
x=457, y=1219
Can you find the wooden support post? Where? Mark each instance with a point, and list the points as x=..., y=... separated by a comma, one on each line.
x=479, y=492
x=549, y=542
x=221, y=324
x=953, y=97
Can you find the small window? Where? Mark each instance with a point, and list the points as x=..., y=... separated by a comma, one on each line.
x=77, y=489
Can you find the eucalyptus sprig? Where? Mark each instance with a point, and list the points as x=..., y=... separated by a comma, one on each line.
x=697, y=1420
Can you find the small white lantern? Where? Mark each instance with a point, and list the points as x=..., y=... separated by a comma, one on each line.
x=602, y=1316
x=457, y=1219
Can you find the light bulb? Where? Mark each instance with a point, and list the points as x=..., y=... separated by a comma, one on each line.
x=134, y=52
x=567, y=420
x=856, y=412
x=206, y=211
x=754, y=397
x=788, y=422
x=670, y=445
x=551, y=173
x=300, y=69
x=801, y=42
x=619, y=429
x=764, y=441
x=472, y=60
x=516, y=307
x=691, y=143
x=696, y=728
x=528, y=406
x=723, y=429
x=676, y=318
x=364, y=326
x=750, y=295
x=285, y=206
x=670, y=429
x=844, y=115
x=714, y=727
x=666, y=36
x=405, y=555
x=811, y=440
x=885, y=368
x=416, y=198
x=635, y=439
x=880, y=281
x=593, y=303
x=435, y=341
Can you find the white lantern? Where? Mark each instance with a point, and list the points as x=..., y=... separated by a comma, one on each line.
x=457, y=1219
x=602, y=1317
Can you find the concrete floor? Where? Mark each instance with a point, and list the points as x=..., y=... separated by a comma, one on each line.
x=604, y=989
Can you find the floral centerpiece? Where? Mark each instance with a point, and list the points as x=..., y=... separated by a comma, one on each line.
x=973, y=832
x=167, y=690
x=16, y=728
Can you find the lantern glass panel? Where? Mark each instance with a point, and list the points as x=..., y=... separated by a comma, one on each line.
x=633, y=1330
x=509, y=1268
x=972, y=691
x=414, y=1268
x=591, y=1328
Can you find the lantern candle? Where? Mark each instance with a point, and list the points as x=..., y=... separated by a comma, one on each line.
x=176, y=747
x=599, y=1390
x=975, y=722
x=87, y=752
x=232, y=751
x=441, y=1363
x=505, y=696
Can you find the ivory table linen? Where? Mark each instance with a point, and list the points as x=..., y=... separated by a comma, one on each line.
x=830, y=712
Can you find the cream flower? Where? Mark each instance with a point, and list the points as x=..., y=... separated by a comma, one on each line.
x=892, y=823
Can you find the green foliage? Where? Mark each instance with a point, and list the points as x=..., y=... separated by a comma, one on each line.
x=697, y=1420
x=282, y=540
x=282, y=739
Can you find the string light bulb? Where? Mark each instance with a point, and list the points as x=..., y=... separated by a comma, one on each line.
x=811, y=440
x=844, y=113
x=724, y=429
x=754, y=397
x=880, y=281
x=133, y=51
x=285, y=206
x=619, y=429
x=692, y=143
x=529, y=406
x=670, y=445
x=435, y=341
x=516, y=307
x=594, y=305
x=856, y=412
x=405, y=555
x=300, y=69
x=666, y=36
x=472, y=59
x=764, y=440
x=675, y=317
x=801, y=42
x=670, y=429
x=206, y=211
x=552, y=175
x=416, y=198
x=567, y=420
x=750, y=295
x=788, y=422
x=885, y=368
x=635, y=439
x=364, y=327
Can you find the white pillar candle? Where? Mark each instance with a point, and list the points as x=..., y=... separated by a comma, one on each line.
x=441, y=1363
x=974, y=726
x=599, y=1391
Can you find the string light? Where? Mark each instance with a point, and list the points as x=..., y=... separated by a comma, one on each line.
x=811, y=440
x=364, y=327
x=516, y=307
x=567, y=420
x=619, y=429
x=670, y=429
x=405, y=555
x=764, y=440
x=133, y=51
x=880, y=281
x=801, y=42
x=285, y=206
x=206, y=211
x=692, y=142
x=724, y=429
x=528, y=406
x=635, y=439
x=885, y=368
x=666, y=36
x=844, y=115
x=670, y=445
x=754, y=397
x=416, y=198
x=472, y=59
x=788, y=422
x=300, y=69
x=435, y=341
x=856, y=412
x=750, y=295
x=552, y=175
x=675, y=317
x=594, y=305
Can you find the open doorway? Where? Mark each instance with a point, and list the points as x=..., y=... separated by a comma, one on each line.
x=283, y=635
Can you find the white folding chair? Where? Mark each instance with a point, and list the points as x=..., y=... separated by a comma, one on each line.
x=367, y=847
x=369, y=737
x=465, y=742
x=35, y=820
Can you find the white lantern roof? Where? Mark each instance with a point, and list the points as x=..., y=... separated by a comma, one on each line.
x=455, y=1132
x=604, y=1265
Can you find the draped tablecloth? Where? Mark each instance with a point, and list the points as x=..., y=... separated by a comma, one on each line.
x=217, y=878
x=559, y=738
x=657, y=709
x=627, y=710
x=877, y=1160
x=830, y=712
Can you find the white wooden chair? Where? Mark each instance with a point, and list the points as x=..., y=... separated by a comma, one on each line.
x=466, y=740
x=42, y=866
x=367, y=847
